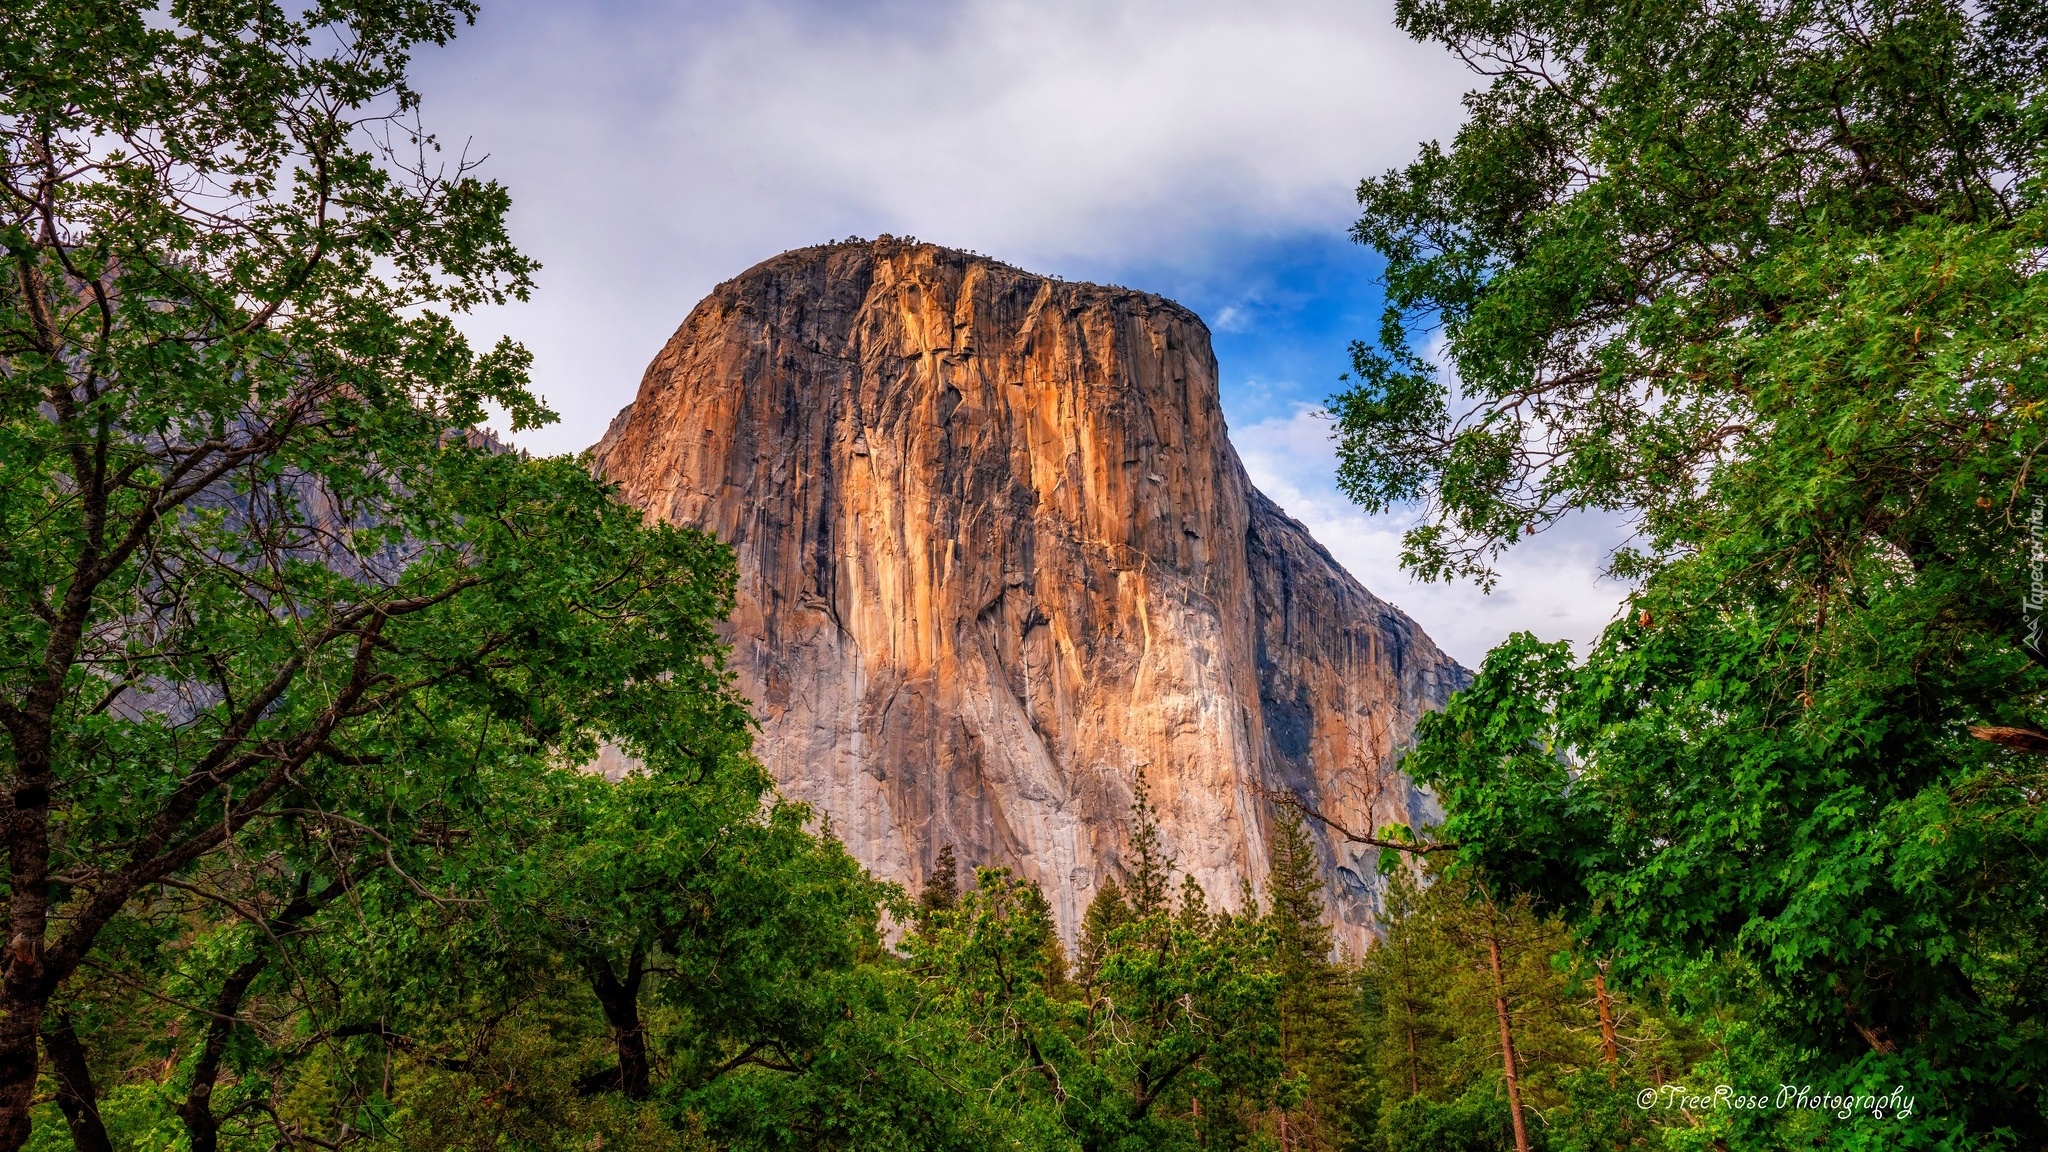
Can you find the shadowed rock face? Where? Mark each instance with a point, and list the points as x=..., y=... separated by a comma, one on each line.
x=998, y=560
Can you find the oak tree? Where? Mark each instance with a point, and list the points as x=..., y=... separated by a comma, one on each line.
x=264, y=594
x=1762, y=280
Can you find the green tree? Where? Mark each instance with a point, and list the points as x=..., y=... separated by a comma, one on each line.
x=1106, y=912
x=1179, y=1012
x=1169, y=1049
x=1316, y=1000
x=1408, y=1030
x=263, y=596
x=645, y=963
x=1464, y=987
x=1763, y=281
x=941, y=891
x=692, y=900
x=1150, y=871
x=407, y=1014
x=1165, y=1040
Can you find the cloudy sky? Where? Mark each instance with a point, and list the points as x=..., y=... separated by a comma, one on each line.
x=1203, y=149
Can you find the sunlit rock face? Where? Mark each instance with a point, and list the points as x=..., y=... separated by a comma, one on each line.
x=998, y=561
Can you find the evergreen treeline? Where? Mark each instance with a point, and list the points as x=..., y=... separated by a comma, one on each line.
x=658, y=965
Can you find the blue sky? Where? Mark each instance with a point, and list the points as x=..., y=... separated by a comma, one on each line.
x=1203, y=149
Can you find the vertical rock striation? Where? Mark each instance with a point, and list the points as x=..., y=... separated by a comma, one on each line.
x=998, y=560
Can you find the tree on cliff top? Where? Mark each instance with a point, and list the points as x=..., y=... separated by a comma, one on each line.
x=1765, y=279
x=260, y=597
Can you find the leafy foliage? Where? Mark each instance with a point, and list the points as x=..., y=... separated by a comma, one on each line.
x=1764, y=279
x=1164, y=1041
x=284, y=643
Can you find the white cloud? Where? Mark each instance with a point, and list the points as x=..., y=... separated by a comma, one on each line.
x=654, y=150
x=1549, y=583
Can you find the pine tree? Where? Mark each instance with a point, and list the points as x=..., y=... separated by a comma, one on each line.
x=1477, y=1024
x=1406, y=973
x=1106, y=913
x=942, y=887
x=1194, y=906
x=1316, y=1001
x=1295, y=890
x=1053, y=961
x=1150, y=867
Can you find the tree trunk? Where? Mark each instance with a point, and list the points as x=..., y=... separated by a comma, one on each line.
x=77, y=1096
x=1414, y=1065
x=1608, y=1050
x=1414, y=1058
x=20, y=1016
x=24, y=987
x=620, y=999
x=197, y=1110
x=1507, y=1043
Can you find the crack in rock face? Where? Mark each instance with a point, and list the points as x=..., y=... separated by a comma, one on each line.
x=998, y=561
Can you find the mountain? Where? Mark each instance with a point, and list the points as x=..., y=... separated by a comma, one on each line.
x=998, y=561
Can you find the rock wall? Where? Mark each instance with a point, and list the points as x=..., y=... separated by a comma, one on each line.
x=998, y=560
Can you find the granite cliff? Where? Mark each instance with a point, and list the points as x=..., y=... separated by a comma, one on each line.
x=998, y=561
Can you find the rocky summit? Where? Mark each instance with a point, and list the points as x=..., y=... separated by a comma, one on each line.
x=998, y=563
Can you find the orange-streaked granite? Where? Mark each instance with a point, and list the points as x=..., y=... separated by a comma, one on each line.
x=997, y=558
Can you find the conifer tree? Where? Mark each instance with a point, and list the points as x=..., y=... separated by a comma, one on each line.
x=1052, y=956
x=1295, y=888
x=1493, y=931
x=1106, y=913
x=1481, y=1009
x=1149, y=865
x=1409, y=1033
x=941, y=892
x=1194, y=906
x=1315, y=1001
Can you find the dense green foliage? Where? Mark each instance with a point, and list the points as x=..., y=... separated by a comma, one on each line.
x=1762, y=279
x=290, y=662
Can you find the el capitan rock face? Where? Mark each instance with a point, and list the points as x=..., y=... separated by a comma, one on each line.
x=998, y=560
